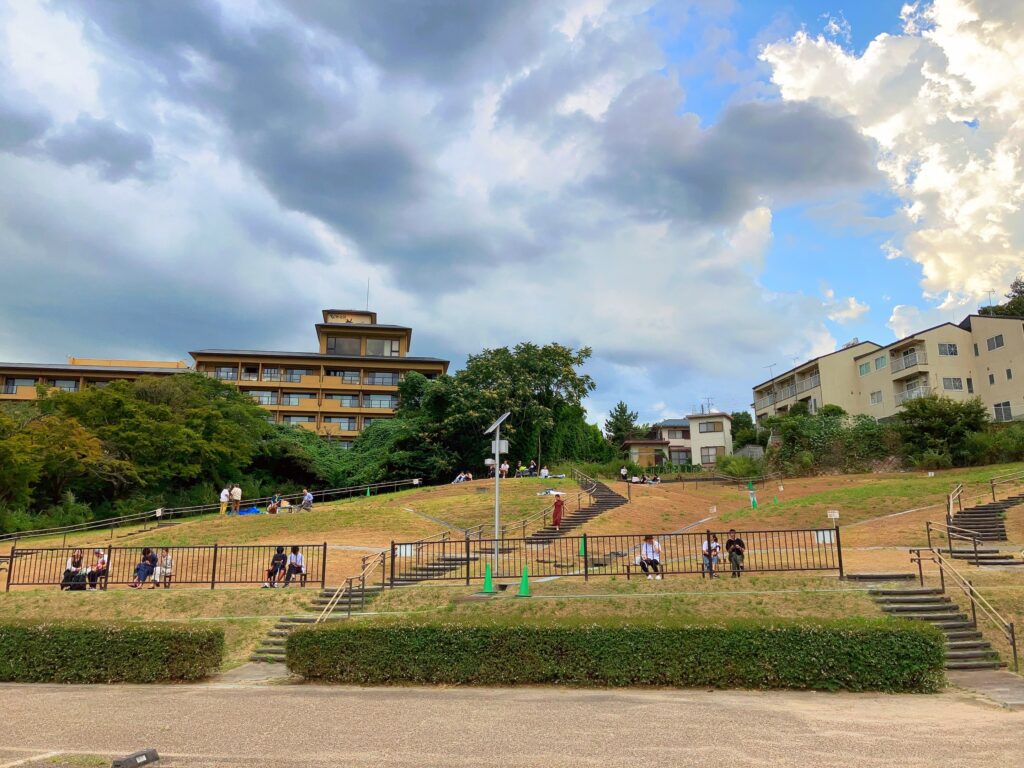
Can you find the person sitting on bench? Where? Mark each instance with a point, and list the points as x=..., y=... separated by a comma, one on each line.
x=650, y=557
x=99, y=568
x=296, y=566
x=710, y=550
x=74, y=572
x=736, y=548
x=278, y=563
x=164, y=569
x=144, y=570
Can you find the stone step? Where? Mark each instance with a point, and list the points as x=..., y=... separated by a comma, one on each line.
x=963, y=664
x=973, y=653
x=952, y=624
x=925, y=599
x=938, y=618
x=905, y=591
x=924, y=608
x=881, y=576
x=962, y=634
x=963, y=645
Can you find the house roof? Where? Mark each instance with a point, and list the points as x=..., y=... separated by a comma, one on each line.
x=645, y=441
x=784, y=374
x=313, y=356
x=908, y=338
x=709, y=416
x=673, y=423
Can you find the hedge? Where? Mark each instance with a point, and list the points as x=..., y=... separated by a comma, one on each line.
x=84, y=652
x=854, y=655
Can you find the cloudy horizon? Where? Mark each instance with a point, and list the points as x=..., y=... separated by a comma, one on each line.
x=695, y=189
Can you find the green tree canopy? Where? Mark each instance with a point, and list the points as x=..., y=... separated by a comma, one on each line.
x=1014, y=304
x=940, y=426
x=621, y=425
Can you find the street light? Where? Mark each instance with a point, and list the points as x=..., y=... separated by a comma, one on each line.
x=497, y=447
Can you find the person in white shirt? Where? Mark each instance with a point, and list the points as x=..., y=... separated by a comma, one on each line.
x=225, y=497
x=650, y=557
x=623, y=473
x=544, y=472
x=236, y=498
x=504, y=469
x=296, y=565
x=710, y=550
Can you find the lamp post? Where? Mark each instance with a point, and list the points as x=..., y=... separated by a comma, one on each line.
x=497, y=446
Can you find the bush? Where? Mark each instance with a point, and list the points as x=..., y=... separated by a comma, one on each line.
x=81, y=652
x=857, y=655
x=740, y=466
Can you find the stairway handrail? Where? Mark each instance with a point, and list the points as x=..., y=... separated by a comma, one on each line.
x=954, y=496
x=977, y=599
x=954, y=531
x=165, y=513
x=370, y=564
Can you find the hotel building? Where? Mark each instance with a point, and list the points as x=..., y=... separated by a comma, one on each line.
x=978, y=357
x=337, y=391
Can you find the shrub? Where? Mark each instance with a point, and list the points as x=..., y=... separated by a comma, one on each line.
x=858, y=655
x=740, y=466
x=81, y=652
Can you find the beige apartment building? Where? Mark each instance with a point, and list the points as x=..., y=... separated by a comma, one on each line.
x=978, y=357
x=337, y=391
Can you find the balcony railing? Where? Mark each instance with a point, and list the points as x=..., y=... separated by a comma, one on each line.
x=920, y=357
x=790, y=390
x=910, y=394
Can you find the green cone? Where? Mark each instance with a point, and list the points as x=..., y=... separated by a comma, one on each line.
x=488, y=584
x=524, y=584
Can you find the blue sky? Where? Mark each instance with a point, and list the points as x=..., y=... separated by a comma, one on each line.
x=695, y=189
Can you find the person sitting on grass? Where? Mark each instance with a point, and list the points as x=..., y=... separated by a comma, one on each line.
x=735, y=548
x=278, y=563
x=74, y=572
x=545, y=472
x=296, y=565
x=164, y=569
x=459, y=478
x=99, y=567
x=275, y=504
x=144, y=570
x=650, y=557
x=307, y=500
x=710, y=551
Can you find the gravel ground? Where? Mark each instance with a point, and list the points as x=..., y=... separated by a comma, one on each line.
x=197, y=726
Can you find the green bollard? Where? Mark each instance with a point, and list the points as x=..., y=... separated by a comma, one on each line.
x=488, y=584
x=524, y=584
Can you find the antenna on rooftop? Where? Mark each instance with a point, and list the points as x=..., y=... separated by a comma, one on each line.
x=708, y=401
x=990, y=292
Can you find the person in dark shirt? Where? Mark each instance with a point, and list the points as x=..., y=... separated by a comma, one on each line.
x=277, y=564
x=736, y=549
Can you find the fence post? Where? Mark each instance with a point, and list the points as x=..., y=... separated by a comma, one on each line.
x=323, y=568
x=10, y=567
x=928, y=530
x=213, y=572
x=392, y=563
x=1013, y=644
x=586, y=558
x=110, y=557
x=993, y=484
x=974, y=606
x=975, y=540
x=920, y=568
x=467, y=559
x=839, y=553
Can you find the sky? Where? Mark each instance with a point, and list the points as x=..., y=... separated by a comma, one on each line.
x=701, y=191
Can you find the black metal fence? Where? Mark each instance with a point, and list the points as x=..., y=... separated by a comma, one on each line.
x=768, y=551
x=190, y=566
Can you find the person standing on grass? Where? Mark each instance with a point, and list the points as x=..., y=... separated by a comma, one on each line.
x=650, y=557
x=225, y=497
x=236, y=498
x=556, y=513
x=624, y=474
x=710, y=552
x=735, y=548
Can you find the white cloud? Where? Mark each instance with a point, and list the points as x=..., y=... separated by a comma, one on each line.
x=944, y=100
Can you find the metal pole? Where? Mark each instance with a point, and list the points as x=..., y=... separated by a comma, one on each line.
x=497, y=495
x=839, y=553
x=392, y=563
x=1013, y=644
x=467, y=559
x=213, y=573
x=586, y=557
x=974, y=605
x=10, y=569
x=993, y=484
x=323, y=568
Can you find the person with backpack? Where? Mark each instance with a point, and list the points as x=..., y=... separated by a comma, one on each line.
x=278, y=563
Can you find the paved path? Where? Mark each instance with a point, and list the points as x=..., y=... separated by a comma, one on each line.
x=997, y=685
x=291, y=726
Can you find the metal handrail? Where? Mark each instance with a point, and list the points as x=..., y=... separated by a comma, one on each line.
x=954, y=532
x=346, y=586
x=1006, y=627
x=164, y=513
x=956, y=495
x=1006, y=478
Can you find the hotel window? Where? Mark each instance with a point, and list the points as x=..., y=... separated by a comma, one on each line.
x=263, y=397
x=711, y=426
x=948, y=350
x=970, y=386
x=66, y=385
x=295, y=374
x=991, y=379
x=296, y=398
x=298, y=418
x=876, y=398
x=377, y=378
x=343, y=422
x=709, y=454
x=995, y=342
x=864, y=368
x=1009, y=374
x=676, y=434
x=881, y=361
x=380, y=401
x=1002, y=411
x=953, y=384
x=342, y=345
x=251, y=373
x=382, y=347
x=347, y=377
x=271, y=374
x=225, y=374
x=346, y=401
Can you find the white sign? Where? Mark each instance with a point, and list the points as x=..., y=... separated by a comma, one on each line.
x=713, y=509
x=833, y=514
x=499, y=446
x=404, y=550
x=781, y=488
x=931, y=474
x=825, y=537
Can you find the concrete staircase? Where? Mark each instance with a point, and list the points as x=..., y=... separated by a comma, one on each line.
x=605, y=499
x=987, y=521
x=984, y=555
x=965, y=646
x=272, y=648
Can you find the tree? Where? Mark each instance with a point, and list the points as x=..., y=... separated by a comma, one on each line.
x=831, y=411
x=621, y=425
x=940, y=426
x=743, y=430
x=1014, y=304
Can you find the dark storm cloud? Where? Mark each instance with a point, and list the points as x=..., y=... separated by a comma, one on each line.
x=20, y=126
x=115, y=152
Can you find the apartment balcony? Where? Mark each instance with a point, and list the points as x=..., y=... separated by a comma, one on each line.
x=788, y=391
x=306, y=404
x=335, y=430
x=907, y=365
x=336, y=406
x=9, y=392
x=765, y=402
x=309, y=380
x=910, y=394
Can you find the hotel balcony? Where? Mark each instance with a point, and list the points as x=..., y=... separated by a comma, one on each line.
x=335, y=430
x=908, y=365
x=307, y=380
x=911, y=393
x=10, y=392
